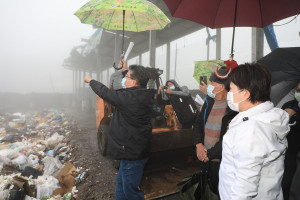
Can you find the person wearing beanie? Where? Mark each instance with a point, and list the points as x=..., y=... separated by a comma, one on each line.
x=211, y=124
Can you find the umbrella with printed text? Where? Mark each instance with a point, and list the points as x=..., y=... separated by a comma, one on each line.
x=125, y=15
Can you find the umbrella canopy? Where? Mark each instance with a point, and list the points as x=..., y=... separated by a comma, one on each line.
x=140, y=15
x=205, y=68
x=233, y=13
x=220, y=13
x=284, y=65
x=129, y=15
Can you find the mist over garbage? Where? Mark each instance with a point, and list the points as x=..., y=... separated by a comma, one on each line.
x=49, y=118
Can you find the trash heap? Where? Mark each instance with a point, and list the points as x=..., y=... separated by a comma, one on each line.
x=35, y=157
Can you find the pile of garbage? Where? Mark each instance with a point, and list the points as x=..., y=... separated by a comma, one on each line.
x=35, y=157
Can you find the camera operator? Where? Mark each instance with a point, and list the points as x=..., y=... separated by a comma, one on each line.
x=172, y=87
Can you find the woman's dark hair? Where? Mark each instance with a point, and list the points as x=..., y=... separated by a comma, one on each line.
x=140, y=74
x=255, y=78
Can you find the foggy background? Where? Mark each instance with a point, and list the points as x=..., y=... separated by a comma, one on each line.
x=35, y=38
x=38, y=35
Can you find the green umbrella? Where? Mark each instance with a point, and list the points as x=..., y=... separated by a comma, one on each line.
x=205, y=68
x=140, y=15
x=129, y=15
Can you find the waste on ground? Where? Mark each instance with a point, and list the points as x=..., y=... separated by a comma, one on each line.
x=35, y=157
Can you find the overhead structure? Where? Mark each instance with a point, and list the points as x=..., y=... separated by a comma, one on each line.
x=233, y=13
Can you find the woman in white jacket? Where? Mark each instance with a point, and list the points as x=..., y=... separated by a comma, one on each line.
x=253, y=148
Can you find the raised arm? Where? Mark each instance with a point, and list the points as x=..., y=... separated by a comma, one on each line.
x=111, y=96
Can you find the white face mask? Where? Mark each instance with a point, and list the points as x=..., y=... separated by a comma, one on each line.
x=230, y=101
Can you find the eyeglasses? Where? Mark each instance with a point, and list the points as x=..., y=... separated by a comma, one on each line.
x=129, y=77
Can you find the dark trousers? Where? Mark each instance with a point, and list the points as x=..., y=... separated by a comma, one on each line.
x=213, y=176
x=290, y=166
x=295, y=192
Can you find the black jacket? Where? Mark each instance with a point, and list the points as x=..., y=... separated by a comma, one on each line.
x=199, y=127
x=130, y=127
x=293, y=136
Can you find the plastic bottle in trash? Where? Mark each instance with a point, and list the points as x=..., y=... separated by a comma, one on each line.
x=79, y=178
x=67, y=196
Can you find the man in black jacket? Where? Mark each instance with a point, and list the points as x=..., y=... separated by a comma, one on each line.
x=130, y=129
x=293, y=138
x=211, y=124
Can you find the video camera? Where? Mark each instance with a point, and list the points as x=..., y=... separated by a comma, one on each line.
x=165, y=87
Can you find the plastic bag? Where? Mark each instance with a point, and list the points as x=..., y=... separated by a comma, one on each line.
x=29, y=198
x=52, y=165
x=44, y=191
x=4, y=160
x=54, y=140
x=4, y=194
x=20, y=161
x=50, y=153
x=33, y=160
x=45, y=185
x=29, y=171
x=9, y=153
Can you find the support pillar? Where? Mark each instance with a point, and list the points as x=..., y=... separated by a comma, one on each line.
x=73, y=81
x=257, y=44
x=98, y=76
x=218, y=44
x=140, y=59
x=108, y=77
x=168, y=63
x=152, y=48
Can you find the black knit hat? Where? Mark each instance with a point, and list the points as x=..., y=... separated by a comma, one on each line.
x=222, y=71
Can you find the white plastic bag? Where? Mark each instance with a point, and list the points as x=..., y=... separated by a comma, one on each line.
x=33, y=160
x=54, y=140
x=9, y=153
x=21, y=161
x=29, y=198
x=52, y=165
x=44, y=191
x=4, y=194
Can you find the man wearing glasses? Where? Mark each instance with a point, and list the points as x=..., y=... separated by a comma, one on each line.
x=130, y=128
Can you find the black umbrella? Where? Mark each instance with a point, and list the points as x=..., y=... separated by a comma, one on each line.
x=284, y=65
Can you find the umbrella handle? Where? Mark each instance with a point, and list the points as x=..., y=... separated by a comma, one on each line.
x=117, y=68
x=114, y=64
